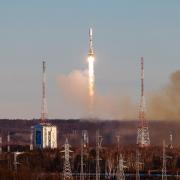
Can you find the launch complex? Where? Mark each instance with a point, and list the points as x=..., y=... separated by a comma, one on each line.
x=45, y=134
x=89, y=162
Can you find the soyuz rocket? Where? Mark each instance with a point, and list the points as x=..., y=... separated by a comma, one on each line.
x=91, y=53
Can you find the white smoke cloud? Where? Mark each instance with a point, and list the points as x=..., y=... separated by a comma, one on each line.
x=74, y=91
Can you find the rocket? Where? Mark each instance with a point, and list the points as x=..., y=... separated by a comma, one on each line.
x=91, y=53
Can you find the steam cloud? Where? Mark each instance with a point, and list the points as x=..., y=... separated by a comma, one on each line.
x=74, y=89
x=161, y=105
x=165, y=104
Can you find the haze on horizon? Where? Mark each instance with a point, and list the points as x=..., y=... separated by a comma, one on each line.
x=57, y=31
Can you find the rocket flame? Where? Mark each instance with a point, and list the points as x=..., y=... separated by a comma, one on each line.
x=91, y=79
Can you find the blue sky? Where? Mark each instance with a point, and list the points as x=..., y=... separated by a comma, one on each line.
x=57, y=31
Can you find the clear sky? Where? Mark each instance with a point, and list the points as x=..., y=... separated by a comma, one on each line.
x=57, y=31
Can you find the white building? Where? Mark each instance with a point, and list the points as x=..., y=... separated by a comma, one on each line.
x=45, y=136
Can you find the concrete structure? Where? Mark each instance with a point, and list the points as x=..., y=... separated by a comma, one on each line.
x=45, y=136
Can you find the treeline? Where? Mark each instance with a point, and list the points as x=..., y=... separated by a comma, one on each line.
x=127, y=130
x=48, y=164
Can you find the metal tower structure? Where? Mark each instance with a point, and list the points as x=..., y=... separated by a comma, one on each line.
x=137, y=165
x=118, y=141
x=98, y=147
x=164, y=173
x=171, y=140
x=85, y=138
x=0, y=144
x=67, y=173
x=109, y=166
x=143, y=139
x=31, y=139
x=107, y=170
x=44, y=110
x=8, y=142
x=120, y=169
x=82, y=160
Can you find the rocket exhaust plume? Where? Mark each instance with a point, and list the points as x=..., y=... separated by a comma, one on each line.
x=85, y=102
x=91, y=75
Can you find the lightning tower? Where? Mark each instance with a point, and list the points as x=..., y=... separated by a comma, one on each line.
x=44, y=111
x=44, y=133
x=91, y=74
x=143, y=139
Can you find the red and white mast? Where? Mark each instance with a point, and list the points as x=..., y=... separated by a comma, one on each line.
x=143, y=139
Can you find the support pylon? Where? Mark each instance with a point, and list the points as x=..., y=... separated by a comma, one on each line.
x=82, y=160
x=98, y=147
x=8, y=142
x=67, y=173
x=164, y=171
x=118, y=141
x=120, y=169
x=0, y=144
x=31, y=139
x=137, y=165
x=143, y=139
x=85, y=137
x=109, y=165
x=171, y=140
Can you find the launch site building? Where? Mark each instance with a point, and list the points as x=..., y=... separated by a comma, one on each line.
x=45, y=136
